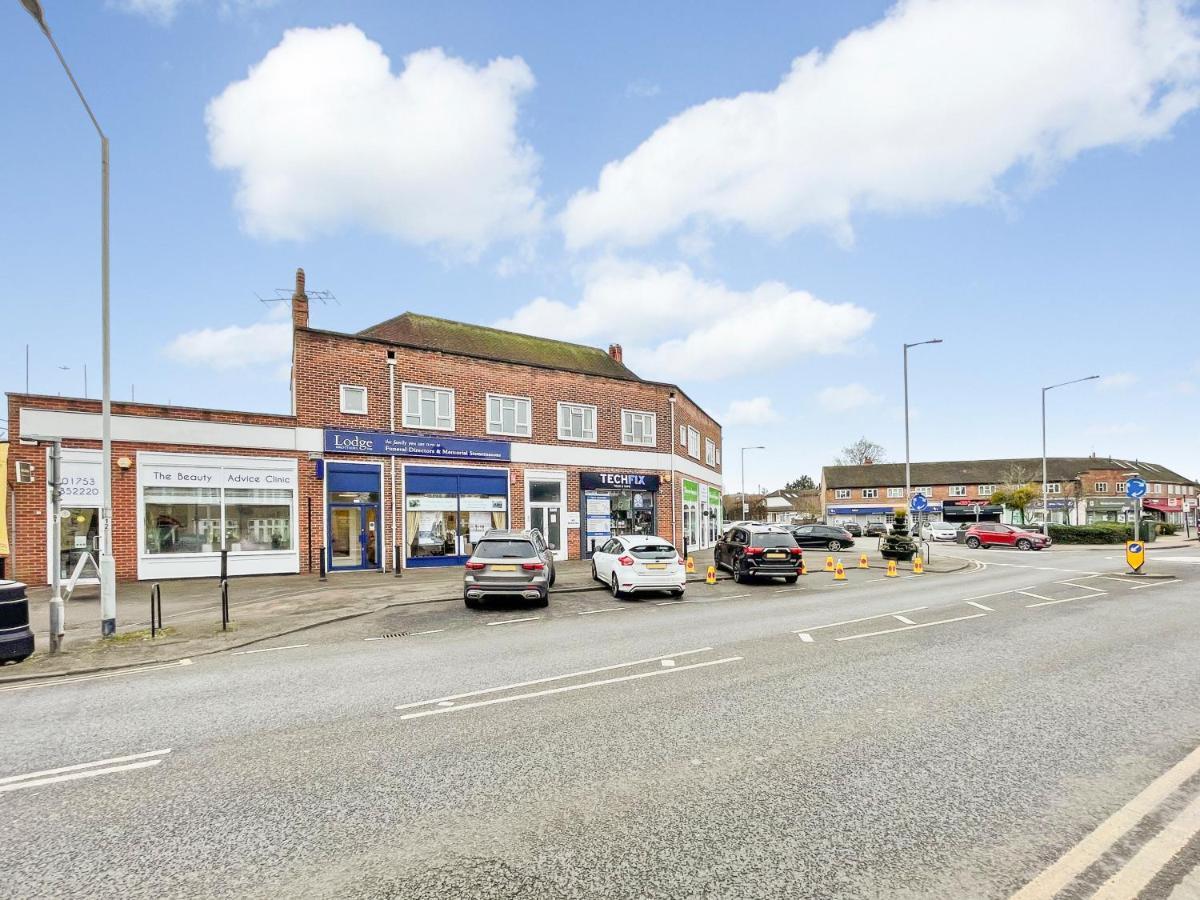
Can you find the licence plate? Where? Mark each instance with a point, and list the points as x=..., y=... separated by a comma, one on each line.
x=656, y=565
x=777, y=556
x=504, y=568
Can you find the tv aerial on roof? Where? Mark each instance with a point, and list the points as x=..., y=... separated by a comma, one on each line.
x=284, y=295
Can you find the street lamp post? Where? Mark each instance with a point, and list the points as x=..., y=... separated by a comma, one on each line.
x=907, y=454
x=1045, y=475
x=745, y=505
x=108, y=584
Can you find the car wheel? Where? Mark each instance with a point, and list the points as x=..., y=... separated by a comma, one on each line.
x=791, y=579
x=973, y=543
x=553, y=576
x=834, y=546
x=615, y=588
x=595, y=574
x=739, y=577
x=1024, y=545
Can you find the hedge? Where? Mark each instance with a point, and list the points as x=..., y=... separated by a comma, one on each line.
x=1099, y=533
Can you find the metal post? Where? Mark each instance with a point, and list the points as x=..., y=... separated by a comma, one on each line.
x=745, y=506
x=53, y=481
x=907, y=454
x=1045, y=476
x=224, y=564
x=397, y=563
x=308, y=506
x=322, y=564
x=224, y=605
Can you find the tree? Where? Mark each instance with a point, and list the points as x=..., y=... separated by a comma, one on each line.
x=1016, y=497
x=803, y=483
x=860, y=453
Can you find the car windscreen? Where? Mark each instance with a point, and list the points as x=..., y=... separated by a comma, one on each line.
x=653, y=551
x=514, y=549
x=941, y=525
x=772, y=539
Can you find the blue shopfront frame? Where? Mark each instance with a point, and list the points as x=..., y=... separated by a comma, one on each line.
x=456, y=482
x=356, y=478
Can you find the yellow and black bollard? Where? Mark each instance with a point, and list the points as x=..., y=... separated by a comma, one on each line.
x=839, y=573
x=829, y=564
x=710, y=577
x=891, y=569
x=862, y=562
x=918, y=565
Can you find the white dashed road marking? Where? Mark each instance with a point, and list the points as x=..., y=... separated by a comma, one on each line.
x=980, y=606
x=855, y=637
x=513, y=621
x=57, y=681
x=805, y=636
x=269, y=649
x=906, y=621
x=855, y=621
x=83, y=770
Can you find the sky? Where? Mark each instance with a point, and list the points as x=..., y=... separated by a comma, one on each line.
x=762, y=202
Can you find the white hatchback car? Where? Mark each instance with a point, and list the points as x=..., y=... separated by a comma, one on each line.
x=938, y=531
x=638, y=562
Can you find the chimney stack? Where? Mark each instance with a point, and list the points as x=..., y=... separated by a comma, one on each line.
x=299, y=303
x=614, y=350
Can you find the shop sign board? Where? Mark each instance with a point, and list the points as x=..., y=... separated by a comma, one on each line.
x=379, y=443
x=635, y=481
x=714, y=496
x=215, y=477
x=80, y=482
x=691, y=491
x=572, y=520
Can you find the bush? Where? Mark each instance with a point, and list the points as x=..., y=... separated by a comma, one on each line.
x=1167, y=528
x=1099, y=533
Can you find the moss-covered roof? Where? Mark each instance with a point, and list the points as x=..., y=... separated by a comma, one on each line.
x=432, y=333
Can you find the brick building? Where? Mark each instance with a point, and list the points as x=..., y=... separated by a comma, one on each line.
x=406, y=441
x=1082, y=490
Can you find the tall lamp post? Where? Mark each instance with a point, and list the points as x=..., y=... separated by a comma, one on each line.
x=108, y=583
x=907, y=454
x=1045, y=476
x=745, y=505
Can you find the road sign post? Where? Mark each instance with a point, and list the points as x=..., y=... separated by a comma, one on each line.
x=1135, y=488
x=919, y=503
x=1135, y=555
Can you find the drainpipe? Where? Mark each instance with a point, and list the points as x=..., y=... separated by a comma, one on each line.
x=397, y=566
x=671, y=446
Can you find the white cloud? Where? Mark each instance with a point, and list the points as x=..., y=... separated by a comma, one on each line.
x=1118, y=380
x=674, y=325
x=236, y=346
x=929, y=107
x=755, y=411
x=850, y=396
x=161, y=12
x=323, y=137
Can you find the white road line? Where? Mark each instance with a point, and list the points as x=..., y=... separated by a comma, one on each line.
x=513, y=621
x=1053, y=602
x=269, y=649
x=1138, y=587
x=1133, y=877
x=905, y=620
x=1082, y=587
x=123, y=672
x=592, y=612
x=521, y=684
x=863, y=619
x=805, y=636
x=88, y=765
x=980, y=606
x=569, y=687
x=855, y=637
x=1038, y=596
x=1046, y=568
x=430, y=631
x=1115, y=578
x=75, y=776
x=1072, y=863
x=998, y=593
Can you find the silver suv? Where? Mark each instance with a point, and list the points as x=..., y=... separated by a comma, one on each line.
x=509, y=564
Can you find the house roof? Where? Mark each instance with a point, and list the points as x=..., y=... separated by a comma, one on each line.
x=431, y=333
x=989, y=471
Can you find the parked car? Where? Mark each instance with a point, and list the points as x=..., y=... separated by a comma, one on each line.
x=875, y=529
x=509, y=564
x=753, y=551
x=938, y=531
x=852, y=528
x=633, y=563
x=997, y=534
x=831, y=537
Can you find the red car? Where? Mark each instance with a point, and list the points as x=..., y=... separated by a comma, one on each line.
x=994, y=534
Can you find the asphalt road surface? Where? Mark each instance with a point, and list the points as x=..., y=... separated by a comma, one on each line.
x=1029, y=725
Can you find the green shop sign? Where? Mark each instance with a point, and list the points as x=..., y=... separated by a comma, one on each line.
x=714, y=496
x=691, y=491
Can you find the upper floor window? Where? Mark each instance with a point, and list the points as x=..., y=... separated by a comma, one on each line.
x=1053, y=487
x=1101, y=487
x=354, y=400
x=958, y=490
x=637, y=428
x=1119, y=487
x=841, y=494
x=508, y=415
x=985, y=490
x=870, y=493
x=1156, y=488
x=576, y=422
x=924, y=491
x=682, y=435
x=428, y=407
x=894, y=493
x=718, y=456
x=693, y=438
x=710, y=453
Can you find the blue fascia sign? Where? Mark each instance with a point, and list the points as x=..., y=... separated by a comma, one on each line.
x=381, y=443
x=618, y=480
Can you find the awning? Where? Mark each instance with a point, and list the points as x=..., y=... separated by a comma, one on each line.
x=1160, y=505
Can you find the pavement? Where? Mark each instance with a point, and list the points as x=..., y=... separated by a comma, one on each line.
x=1028, y=718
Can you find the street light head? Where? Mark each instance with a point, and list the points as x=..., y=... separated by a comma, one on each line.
x=34, y=8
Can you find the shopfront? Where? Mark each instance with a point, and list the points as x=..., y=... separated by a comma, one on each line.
x=191, y=507
x=876, y=512
x=354, y=517
x=967, y=510
x=701, y=513
x=617, y=503
x=447, y=510
x=78, y=552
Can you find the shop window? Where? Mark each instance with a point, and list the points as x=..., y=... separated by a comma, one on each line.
x=508, y=415
x=428, y=407
x=258, y=520
x=353, y=400
x=637, y=428
x=958, y=490
x=710, y=453
x=693, y=443
x=576, y=422
x=182, y=519
x=545, y=491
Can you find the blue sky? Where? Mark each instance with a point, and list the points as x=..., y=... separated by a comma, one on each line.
x=759, y=201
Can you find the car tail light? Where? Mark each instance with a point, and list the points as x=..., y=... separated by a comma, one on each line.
x=796, y=551
x=533, y=567
x=754, y=551
x=625, y=560
x=476, y=566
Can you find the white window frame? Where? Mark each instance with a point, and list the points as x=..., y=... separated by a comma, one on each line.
x=1121, y=487
x=558, y=421
x=682, y=435
x=693, y=433
x=841, y=493
x=404, y=410
x=1053, y=487
x=895, y=493
x=1101, y=487
x=870, y=493
x=718, y=456
x=710, y=452
x=985, y=490
x=926, y=492
x=346, y=410
x=957, y=490
x=497, y=426
x=650, y=425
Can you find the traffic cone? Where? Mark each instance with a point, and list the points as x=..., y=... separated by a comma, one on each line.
x=891, y=572
x=918, y=565
x=829, y=564
x=862, y=562
x=711, y=576
x=839, y=574
x=691, y=564
x=802, y=570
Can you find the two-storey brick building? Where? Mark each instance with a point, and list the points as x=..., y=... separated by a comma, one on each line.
x=1081, y=490
x=406, y=442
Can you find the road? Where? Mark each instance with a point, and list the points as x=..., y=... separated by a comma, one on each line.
x=937, y=736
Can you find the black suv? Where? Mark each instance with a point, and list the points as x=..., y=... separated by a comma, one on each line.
x=831, y=537
x=750, y=551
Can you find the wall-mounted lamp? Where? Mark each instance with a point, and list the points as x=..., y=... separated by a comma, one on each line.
x=124, y=463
